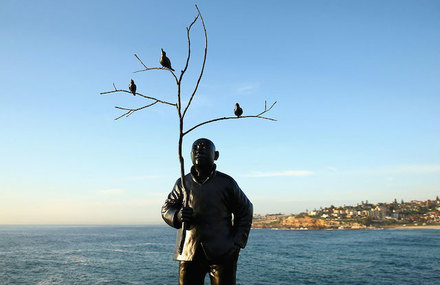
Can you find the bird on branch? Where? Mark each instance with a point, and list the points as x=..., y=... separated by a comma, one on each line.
x=164, y=60
x=132, y=87
x=238, y=111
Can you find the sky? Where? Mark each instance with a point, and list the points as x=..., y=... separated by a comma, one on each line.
x=356, y=84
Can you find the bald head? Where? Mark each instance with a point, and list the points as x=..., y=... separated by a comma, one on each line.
x=203, y=153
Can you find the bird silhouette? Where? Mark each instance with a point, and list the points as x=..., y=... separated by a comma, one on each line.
x=238, y=111
x=164, y=60
x=132, y=87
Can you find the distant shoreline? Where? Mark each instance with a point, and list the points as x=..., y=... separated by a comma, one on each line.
x=350, y=229
x=397, y=227
x=413, y=227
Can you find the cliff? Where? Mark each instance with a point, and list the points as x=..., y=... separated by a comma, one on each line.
x=311, y=223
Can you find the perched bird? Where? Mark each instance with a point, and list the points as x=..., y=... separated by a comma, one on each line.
x=164, y=60
x=238, y=111
x=132, y=87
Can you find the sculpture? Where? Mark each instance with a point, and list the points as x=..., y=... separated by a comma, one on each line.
x=181, y=110
x=218, y=219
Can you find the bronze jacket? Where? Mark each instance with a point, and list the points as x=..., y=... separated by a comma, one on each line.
x=222, y=216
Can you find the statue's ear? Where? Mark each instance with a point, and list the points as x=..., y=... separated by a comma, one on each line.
x=217, y=154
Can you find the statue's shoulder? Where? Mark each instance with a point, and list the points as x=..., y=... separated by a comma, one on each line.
x=187, y=177
x=225, y=176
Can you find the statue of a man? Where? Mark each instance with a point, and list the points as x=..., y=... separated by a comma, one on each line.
x=219, y=217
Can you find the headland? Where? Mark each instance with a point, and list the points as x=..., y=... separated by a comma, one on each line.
x=403, y=215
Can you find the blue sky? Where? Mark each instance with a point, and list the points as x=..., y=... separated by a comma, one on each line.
x=357, y=86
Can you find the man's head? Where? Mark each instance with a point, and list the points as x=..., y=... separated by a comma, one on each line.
x=203, y=153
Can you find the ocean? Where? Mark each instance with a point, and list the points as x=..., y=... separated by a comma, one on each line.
x=143, y=255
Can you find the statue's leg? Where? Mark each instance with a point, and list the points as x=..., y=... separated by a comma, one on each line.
x=192, y=273
x=223, y=274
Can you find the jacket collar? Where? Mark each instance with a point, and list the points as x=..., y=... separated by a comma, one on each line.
x=196, y=179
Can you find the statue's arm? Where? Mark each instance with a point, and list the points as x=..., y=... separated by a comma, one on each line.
x=243, y=212
x=172, y=206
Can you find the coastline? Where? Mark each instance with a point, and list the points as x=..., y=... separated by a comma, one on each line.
x=292, y=222
x=350, y=229
x=413, y=227
x=309, y=223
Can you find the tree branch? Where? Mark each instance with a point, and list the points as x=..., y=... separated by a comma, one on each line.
x=265, y=108
x=145, y=96
x=131, y=111
x=258, y=116
x=203, y=65
x=140, y=61
x=179, y=99
x=188, y=29
x=159, y=68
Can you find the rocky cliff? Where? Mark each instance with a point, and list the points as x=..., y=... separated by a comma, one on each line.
x=293, y=222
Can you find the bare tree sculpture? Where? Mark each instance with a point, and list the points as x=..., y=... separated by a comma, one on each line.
x=181, y=112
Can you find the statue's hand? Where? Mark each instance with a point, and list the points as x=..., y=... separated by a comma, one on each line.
x=186, y=215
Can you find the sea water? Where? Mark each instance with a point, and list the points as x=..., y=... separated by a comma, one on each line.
x=143, y=255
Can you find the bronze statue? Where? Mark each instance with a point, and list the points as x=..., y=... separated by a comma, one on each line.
x=218, y=219
x=213, y=216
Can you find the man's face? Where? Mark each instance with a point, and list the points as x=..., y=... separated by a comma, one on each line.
x=203, y=153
